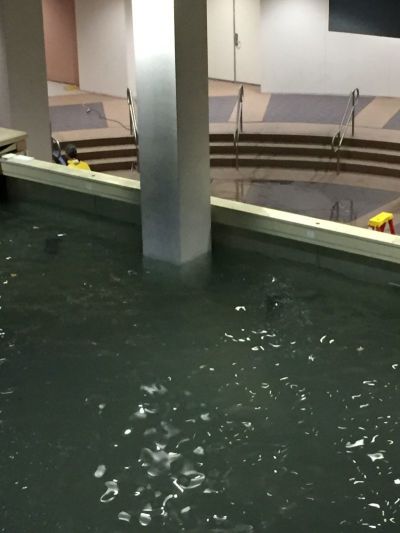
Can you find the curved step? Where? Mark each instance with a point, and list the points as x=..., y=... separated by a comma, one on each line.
x=106, y=152
x=275, y=150
x=120, y=163
x=327, y=164
x=102, y=141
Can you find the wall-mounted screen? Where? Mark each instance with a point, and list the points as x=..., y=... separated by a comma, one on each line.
x=368, y=17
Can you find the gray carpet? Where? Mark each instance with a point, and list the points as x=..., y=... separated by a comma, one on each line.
x=309, y=108
x=221, y=108
x=317, y=199
x=394, y=122
x=75, y=117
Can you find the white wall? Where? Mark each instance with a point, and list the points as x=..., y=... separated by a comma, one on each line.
x=130, y=49
x=102, y=46
x=220, y=39
x=300, y=55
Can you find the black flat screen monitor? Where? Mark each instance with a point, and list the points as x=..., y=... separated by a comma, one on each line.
x=367, y=17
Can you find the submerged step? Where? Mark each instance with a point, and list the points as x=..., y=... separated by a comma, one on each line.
x=307, y=163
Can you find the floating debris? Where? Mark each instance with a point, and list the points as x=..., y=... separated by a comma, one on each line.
x=158, y=462
x=140, y=413
x=125, y=517
x=100, y=471
x=359, y=442
x=144, y=519
x=154, y=389
x=240, y=308
x=199, y=450
x=111, y=492
x=376, y=456
x=190, y=479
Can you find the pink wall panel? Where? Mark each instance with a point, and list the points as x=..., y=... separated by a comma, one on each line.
x=60, y=40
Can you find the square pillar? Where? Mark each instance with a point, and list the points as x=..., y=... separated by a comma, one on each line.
x=172, y=88
x=23, y=85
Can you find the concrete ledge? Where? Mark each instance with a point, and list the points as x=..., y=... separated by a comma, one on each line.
x=323, y=233
x=11, y=136
x=256, y=220
x=12, y=141
x=82, y=181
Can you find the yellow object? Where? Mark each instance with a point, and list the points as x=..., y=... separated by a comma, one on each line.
x=75, y=163
x=71, y=87
x=379, y=220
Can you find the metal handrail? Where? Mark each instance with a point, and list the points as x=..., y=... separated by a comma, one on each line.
x=133, y=124
x=335, y=211
x=349, y=116
x=56, y=151
x=239, y=124
x=56, y=142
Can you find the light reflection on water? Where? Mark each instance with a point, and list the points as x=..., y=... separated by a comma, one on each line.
x=262, y=398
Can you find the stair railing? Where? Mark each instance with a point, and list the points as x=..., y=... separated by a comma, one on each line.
x=239, y=124
x=349, y=116
x=133, y=124
x=56, y=151
x=335, y=211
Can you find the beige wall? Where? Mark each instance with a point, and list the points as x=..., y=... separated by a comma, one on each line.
x=5, y=117
x=60, y=40
x=102, y=45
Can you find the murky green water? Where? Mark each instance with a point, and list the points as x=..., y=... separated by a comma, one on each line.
x=259, y=397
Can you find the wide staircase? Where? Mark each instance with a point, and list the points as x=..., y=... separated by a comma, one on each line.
x=289, y=151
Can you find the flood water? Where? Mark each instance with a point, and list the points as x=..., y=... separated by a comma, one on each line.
x=258, y=396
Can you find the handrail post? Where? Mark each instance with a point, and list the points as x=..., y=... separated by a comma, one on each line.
x=133, y=127
x=236, y=141
x=239, y=125
x=353, y=113
x=241, y=108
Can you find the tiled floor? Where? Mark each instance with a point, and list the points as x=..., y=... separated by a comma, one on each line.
x=377, y=118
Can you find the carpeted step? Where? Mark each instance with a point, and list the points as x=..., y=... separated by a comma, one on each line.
x=327, y=164
x=107, y=152
x=118, y=163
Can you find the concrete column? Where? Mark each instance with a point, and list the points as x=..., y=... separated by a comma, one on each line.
x=172, y=87
x=23, y=89
x=5, y=115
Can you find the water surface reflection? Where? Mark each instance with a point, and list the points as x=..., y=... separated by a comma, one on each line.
x=262, y=399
